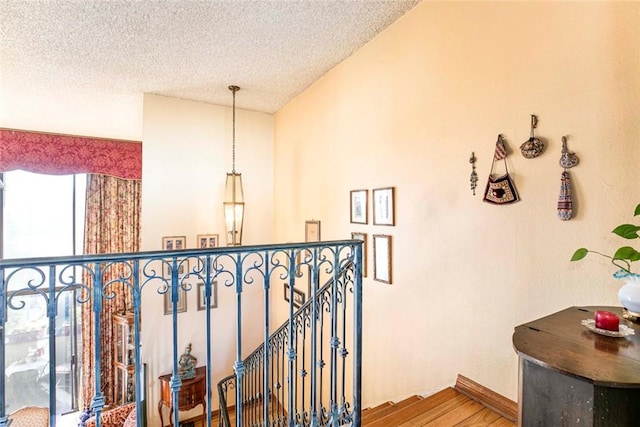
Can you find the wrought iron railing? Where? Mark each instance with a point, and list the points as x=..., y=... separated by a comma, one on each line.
x=314, y=350
x=299, y=377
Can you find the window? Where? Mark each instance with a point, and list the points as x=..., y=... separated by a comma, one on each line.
x=41, y=216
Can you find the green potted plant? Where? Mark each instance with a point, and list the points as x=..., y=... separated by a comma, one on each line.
x=622, y=258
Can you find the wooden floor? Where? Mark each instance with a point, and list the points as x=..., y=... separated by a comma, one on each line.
x=446, y=408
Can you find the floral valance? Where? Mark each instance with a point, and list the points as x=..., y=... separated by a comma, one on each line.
x=56, y=154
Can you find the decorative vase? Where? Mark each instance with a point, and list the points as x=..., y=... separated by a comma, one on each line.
x=629, y=293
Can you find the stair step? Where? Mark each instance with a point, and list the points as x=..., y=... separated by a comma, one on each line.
x=413, y=410
x=436, y=412
x=389, y=409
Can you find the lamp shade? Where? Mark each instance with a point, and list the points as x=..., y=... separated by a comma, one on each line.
x=234, y=208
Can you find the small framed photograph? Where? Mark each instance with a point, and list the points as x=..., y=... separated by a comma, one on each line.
x=298, y=296
x=202, y=301
x=183, y=266
x=383, y=206
x=207, y=240
x=359, y=203
x=182, y=301
x=382, y=258
x=312, y=231
x=174, y=243
x=363, y=237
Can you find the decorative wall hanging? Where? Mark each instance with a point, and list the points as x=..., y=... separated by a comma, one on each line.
x=312, y=231
x=207, y=241
x=382, y=258
x=500, y=190
x=202, y=299
x=473, y=179
x=359, y=201
x=565, y=201
x=383, y=206
x=532, y=147
x=363, y=237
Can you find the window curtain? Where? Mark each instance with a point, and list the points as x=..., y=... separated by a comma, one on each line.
x=112, y=218
x=112, y=225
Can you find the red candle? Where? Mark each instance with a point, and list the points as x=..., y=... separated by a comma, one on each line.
x=607, y=320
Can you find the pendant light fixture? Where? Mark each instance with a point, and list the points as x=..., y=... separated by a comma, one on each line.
x=233, y=199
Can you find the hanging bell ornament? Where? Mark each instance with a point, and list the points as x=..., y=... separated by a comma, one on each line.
x=567, y=159
x=532, y=147
x=474, y=176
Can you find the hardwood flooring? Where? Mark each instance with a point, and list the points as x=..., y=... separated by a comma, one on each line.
x=447, y=408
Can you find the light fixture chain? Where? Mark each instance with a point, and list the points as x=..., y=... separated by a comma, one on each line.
x=233, y=162
x=233, y=89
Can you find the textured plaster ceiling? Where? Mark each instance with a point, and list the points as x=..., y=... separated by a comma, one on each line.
x=186, y=49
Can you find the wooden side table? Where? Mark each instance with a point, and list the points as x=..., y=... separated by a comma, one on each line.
x=570, y=375
x=192, y=393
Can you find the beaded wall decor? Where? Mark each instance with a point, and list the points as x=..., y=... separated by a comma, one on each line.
x=565, y=201
x=533, y=146
x=474, y=176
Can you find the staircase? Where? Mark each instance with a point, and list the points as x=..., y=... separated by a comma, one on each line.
x=468, y=404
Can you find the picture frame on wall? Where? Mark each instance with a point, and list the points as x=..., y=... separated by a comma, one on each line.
x=182, y=301
x=208, y=240
x=298, y=296
x=358, y=206
x=363, y=237
x=382, y=258
x=202, y=300
x=174, y=243
x=384, y=206
x=312, y=231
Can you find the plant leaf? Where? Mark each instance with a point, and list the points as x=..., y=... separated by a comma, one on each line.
x=628, y=231
x=579, y=254
x=637, y=211
x=627, y=252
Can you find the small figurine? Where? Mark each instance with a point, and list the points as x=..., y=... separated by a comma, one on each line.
x=187, y=364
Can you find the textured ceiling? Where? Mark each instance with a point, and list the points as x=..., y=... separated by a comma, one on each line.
x=186, y=49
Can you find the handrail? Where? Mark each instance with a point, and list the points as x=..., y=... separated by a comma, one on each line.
x=312, y=339
x=258, y=356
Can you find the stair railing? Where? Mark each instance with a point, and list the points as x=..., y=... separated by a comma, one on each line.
x=301, y=375
x=317, y=346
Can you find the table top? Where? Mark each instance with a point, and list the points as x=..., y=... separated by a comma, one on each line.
x=201, y=372
x=560, y=342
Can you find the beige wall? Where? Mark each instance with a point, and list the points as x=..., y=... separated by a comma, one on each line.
x=186, y=155
x=406, y=111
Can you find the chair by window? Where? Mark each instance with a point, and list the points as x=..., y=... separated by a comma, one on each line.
x=30, y=416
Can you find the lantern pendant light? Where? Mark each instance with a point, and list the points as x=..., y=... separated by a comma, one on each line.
x=233, y=199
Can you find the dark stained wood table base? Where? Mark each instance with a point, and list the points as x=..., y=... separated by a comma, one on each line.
x=570, y=375
x=191, y=394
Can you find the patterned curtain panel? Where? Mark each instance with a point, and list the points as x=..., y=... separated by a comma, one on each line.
x=112, y=225
x=55, y=154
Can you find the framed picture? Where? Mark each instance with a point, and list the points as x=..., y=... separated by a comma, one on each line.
x=359, y=202
x=383, y=206
x=207, y=240
x=382, y=258
x=174, y=243
x=312, y=231
x=183, y=266
x=298, y=296
x=202, y=301
x=363, y=237
x=182, y=301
